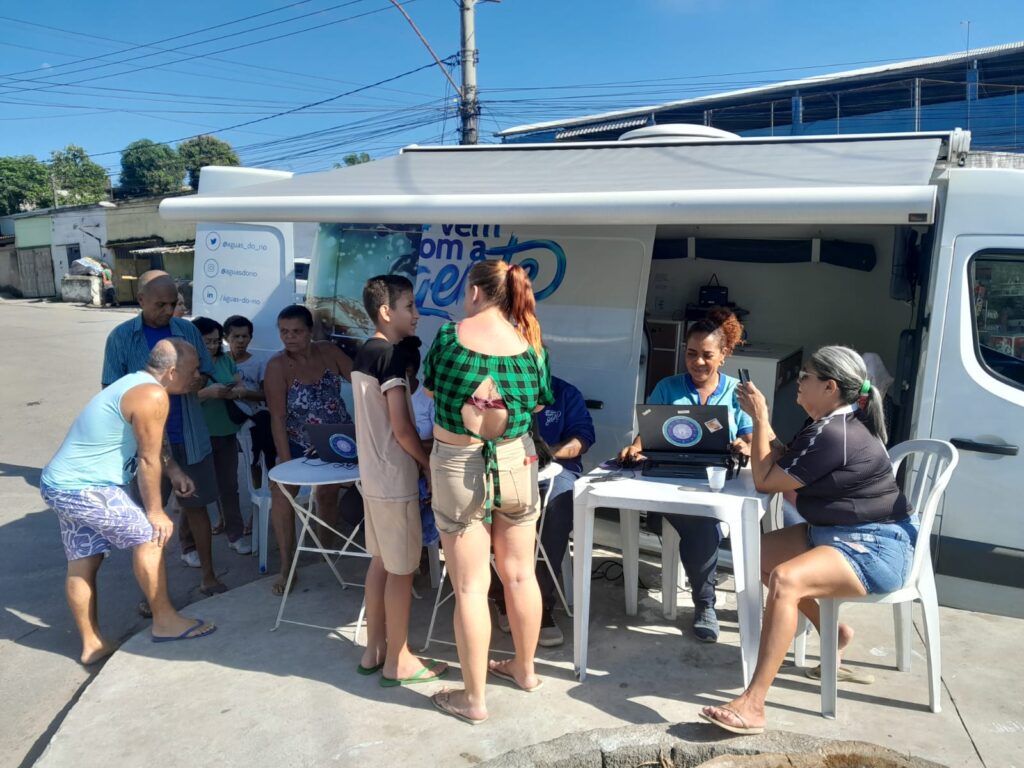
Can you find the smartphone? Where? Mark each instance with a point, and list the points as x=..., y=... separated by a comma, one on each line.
x=744, y=376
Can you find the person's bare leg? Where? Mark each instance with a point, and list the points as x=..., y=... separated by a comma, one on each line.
x=819, y=572
x=283, y=517
x=469, y=566
x=327, y=510
x=148, y=564
x=80, y=589
x=376, y=637
x=514, y=548
x=199, y=524
x=400, y=662
x=779, y=546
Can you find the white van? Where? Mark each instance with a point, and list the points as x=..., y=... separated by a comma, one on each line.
x=908, y=246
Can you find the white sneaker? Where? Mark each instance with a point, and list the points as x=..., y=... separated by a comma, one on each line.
x=241, y=545
x=550, y=633
x=190, y=559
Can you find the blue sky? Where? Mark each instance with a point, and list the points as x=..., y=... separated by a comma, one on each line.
x=539, y=60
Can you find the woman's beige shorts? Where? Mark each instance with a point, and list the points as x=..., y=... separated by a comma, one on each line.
x=457, y=477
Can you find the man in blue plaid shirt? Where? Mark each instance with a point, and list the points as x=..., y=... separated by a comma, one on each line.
x=187, y=440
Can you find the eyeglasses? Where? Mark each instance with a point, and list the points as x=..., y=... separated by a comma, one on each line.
x=804, y=374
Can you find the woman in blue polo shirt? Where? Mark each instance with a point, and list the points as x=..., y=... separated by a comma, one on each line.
x=709, y=343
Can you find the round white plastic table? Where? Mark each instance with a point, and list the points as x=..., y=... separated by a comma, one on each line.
x=312, y=473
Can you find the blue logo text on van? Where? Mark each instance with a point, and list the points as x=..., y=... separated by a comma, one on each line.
x=444, y=285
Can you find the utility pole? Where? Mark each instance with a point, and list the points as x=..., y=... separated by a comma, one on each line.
x=469, y=105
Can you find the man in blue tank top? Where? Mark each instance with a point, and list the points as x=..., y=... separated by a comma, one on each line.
x=118, y=436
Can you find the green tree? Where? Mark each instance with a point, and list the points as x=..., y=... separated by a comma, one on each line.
x=205, y=150
x=356, y=158
x=24, y=184
x=77, y=178
x=148, y=168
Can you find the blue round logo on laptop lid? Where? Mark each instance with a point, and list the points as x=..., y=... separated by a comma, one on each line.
x=682, y=431
x=343, y=445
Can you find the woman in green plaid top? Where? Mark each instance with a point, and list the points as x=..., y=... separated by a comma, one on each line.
x=488, y=375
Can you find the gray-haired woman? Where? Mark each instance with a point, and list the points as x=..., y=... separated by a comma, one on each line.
x=860, y=531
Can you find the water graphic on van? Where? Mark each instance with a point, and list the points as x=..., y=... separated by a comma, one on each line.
x=436, y=258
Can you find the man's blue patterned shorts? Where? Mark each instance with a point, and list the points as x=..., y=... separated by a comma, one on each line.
x=94, y=519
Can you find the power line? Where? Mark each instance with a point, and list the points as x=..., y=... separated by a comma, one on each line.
x=291, y=111
x=145, y=45
x=190, y=57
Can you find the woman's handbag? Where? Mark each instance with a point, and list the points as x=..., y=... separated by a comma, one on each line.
x=236, y=414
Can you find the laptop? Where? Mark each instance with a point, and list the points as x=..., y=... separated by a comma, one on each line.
x=334, y=442
x=683, y=440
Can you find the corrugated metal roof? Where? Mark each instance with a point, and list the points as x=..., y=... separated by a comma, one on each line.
x=614, y=125
x=837, y=77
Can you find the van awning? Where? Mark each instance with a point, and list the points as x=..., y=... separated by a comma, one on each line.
x=813, y=180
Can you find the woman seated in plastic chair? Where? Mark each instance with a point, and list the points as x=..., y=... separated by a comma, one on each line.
x=860, y=531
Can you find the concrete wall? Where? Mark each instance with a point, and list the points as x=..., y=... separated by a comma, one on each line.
x=9, y=277
x=81, y=227
x=82, y=289
x=32, y=231
x=139, y=219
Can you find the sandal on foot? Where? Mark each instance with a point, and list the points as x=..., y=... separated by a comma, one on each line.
x=416, y=679
x=370, y=670
x=843, y=675
x=188, y=634
x=742, y=730
x=278, y=589
x=442, y=701
x=144, y=609
x=509, y=678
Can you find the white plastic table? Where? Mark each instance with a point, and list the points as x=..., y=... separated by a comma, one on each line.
x=739, y=505
x=311, y=473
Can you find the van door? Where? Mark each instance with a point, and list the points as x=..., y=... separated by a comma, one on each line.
x=979, y=406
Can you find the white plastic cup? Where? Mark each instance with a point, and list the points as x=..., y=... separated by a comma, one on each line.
x=716, y=478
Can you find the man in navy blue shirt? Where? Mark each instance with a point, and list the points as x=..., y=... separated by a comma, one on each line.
x=567, y=428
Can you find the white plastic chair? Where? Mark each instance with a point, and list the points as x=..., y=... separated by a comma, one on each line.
x=927, y=474
x=259, y=497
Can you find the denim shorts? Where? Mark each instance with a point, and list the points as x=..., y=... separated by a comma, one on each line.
x=881, y=554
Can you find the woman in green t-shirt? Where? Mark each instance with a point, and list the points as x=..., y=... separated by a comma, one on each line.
x=224, y=385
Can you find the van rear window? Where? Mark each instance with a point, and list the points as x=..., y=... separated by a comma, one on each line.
x=997, y=284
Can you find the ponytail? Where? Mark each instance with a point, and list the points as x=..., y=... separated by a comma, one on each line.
x=522, y=306
x=847, y=369
x=510, y=288
x=871, y=412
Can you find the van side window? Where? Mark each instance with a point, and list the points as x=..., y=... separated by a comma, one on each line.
x=997, y=284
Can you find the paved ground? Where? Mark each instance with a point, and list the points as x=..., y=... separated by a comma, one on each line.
x=50, y=360
x=248, y=696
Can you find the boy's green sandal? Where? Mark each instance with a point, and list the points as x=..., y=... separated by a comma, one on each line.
x=422, y=676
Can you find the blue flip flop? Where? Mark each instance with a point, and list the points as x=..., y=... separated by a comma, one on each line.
x=187, y=634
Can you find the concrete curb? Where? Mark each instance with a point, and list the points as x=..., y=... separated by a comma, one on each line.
x=688, y=745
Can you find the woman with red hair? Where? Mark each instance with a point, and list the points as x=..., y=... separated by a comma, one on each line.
x=488, y=375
